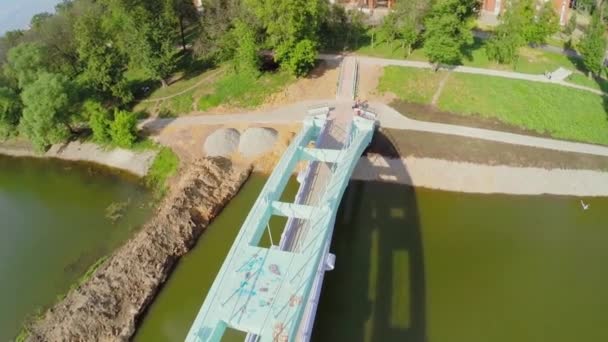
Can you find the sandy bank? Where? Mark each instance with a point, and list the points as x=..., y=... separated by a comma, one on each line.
x=135, y=162
x=477, y=178
x=107, y=306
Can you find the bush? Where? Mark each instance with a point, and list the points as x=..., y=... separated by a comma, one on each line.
x=302, y=58
x=99, y=121
x=122, y=129
x=164, y=166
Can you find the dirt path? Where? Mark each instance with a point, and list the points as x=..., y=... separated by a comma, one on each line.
x=208, y=77
x=437, y=94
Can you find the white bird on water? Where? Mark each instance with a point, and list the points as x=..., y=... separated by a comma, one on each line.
x=585, y=206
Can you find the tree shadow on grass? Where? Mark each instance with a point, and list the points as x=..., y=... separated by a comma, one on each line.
x=378, y=290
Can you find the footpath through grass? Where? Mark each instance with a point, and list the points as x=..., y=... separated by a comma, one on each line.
x=531, y=61
x=555, y=110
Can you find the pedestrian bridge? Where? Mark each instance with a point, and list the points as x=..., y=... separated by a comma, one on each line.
x=272, y=293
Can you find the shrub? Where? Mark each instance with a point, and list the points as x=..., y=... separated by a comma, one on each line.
x=99, y=121
x=122, y=129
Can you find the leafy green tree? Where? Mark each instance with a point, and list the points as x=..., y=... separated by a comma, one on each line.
x=9, y=40
x=503, y=46
x=145, y=30
x=410, y=21
x=48, y=104
x=246, y=59
x=99, y=121
x=104, y=64
x=544, y=24
x=287, y=24
x=388, y=31
x=122, y=129
x=187, y=14
x=25, y=62
x=571, y=26
x=10, y=112
x=593, y=46
x=302, y=58
x=448, y=30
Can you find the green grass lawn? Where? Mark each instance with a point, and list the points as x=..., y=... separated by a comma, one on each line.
x=595, y=83
x=243, y=90
x=544, y=108
x=531, y=61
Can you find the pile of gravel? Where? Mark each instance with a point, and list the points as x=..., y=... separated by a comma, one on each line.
x=223, y=142
x=257, y=140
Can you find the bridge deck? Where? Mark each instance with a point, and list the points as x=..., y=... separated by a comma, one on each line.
x=266, y=292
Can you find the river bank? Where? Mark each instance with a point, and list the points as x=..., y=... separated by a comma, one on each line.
x=109, y=304
x=136, y=162
x=469, y=177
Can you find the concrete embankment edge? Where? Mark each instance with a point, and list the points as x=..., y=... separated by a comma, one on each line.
x=136, y=162
x=108, y=306
x=484, y=179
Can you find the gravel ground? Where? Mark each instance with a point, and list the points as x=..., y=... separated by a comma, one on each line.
x=137, y=163
x=257, y=140
x=223, y=142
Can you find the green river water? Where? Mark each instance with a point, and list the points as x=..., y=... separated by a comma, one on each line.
x=53, y=227
x=422, y=265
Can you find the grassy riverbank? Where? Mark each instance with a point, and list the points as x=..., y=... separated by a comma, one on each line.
x=558, y=111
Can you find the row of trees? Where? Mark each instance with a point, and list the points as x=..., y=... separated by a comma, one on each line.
x=75, y=67
x=443, y=27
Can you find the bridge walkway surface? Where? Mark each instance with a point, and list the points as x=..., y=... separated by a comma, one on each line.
x=272, y=293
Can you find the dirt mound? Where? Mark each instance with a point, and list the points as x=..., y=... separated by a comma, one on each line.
x=257, y=140
x=223, y=142
x=107, y=306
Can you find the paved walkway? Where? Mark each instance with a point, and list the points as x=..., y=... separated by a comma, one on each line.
x=375, y=61
x=390, y=118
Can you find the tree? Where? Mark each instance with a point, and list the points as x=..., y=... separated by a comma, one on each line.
x=99, y=121
x=571, y=26
x=410, y=21
x=186, y=14
x=25, y=62
x=593, y=46
x=10, y=111
x=145, y=30
x=122, y=129
x=246, y=58
x=104, y=65
x=48, y=103
x=388, y=30
x=287, y=24
x=448, y=29
x=302, y=59
x=9, y=41
x=544, y=24
x=503, y=46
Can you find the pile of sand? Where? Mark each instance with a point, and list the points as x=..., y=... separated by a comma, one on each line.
x=257, y=140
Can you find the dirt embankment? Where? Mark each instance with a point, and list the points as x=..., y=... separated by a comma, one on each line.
x=107, y=306
x=137, y=163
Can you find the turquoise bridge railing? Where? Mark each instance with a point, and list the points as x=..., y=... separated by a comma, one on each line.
x=265, y=292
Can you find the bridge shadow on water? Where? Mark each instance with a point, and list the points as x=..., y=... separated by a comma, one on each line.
x=377, y=290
